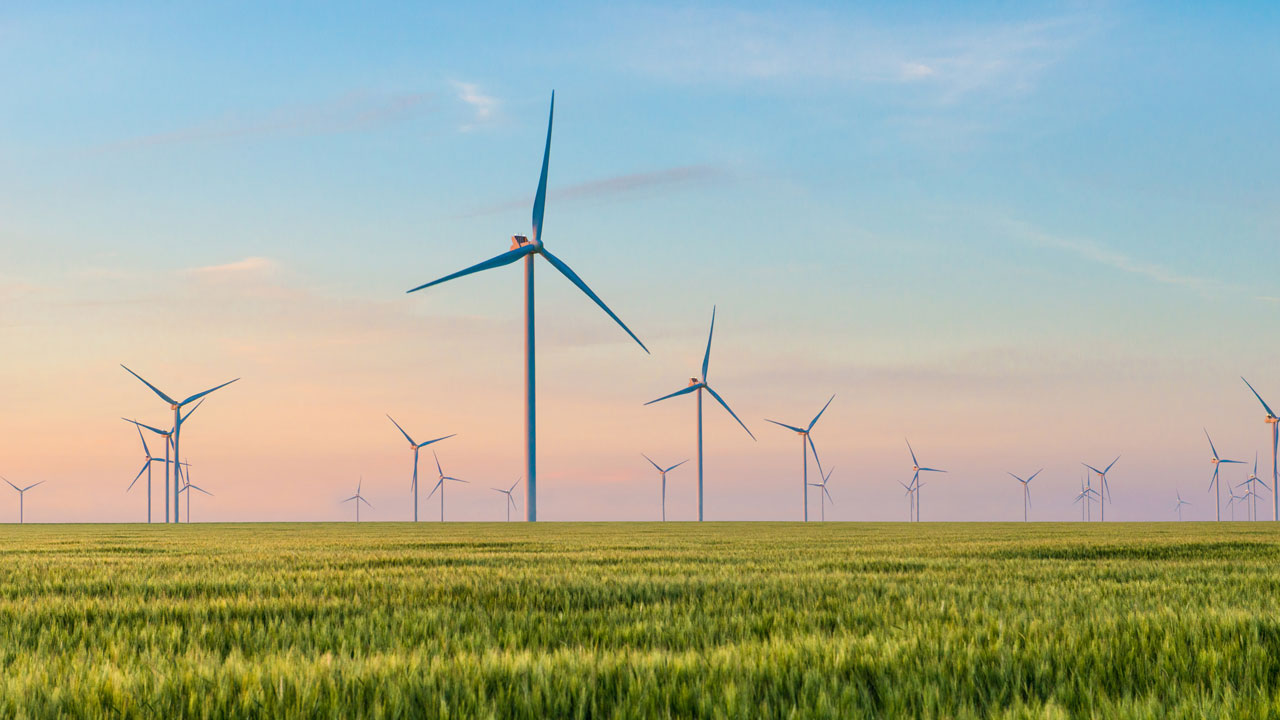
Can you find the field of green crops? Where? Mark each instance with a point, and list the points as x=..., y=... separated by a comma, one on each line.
x=640, y=620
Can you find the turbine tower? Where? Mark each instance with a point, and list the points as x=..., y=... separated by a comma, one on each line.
x=826, y=494
x=188, y=486
x=146, y=467
x=1026, y=491
x=663, y=472
x=1251, y=483
x=1274, y=421
x=22, y=494
x=1104, y=489
x=911, y=500
x=511, y=500
x=358, y=498
x=1214, y=485
x=1178, y=507
x=416, y=447
x=168, y=444
x=698, y=385
x=522, y=247
x=177, y=425
x=440, y=484
x=806, y=442
x=915, y=477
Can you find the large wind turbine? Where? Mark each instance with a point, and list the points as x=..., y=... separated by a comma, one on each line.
x=698, y=385
x=1026, y=491
x=1178, y=507
x=177, y=424
x=826, y=494
x=511, y=500
x=1274, y=422
x=663, y=472
x=1217, y=463
x=22, y=494
x=915, y=478
x=440, y=484
x=358, y=498
x=416, y=447
x=522, y=247
x=168, y=444
x=806, y=443
x=146, y=467
x=1104, y=488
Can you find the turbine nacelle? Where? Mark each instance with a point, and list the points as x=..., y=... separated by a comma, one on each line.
x=519, y=241
x=694, y=381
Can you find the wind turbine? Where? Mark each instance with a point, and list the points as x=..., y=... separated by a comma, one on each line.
x=1233, y=498
x=522, y=247
x=188, y=486
x=146, y=467
x=911, y=500
x=1253, y=480
x=1087, y=493
x=663, y=472
x=511, y=501
x=177, y=424
x=826, y=494
x=1217, y=463
x=1178, y=507
x=358, y=498
x=1104, y=488
x=806, y=443
x=168, y=443
x=915, y=478
x=1274, y=422
x=440, y=484
x=1026, y=491
x=698, y=385
x=416, y=447
x=22, y=493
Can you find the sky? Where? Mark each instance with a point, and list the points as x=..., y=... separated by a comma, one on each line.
x=1022, y=235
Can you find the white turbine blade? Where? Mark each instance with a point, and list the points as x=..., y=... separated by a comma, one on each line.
x=540, y=199
x=366, y=502
x=429, y=442
x=145, y=465
x=505, y=258
x=513, y=485
x=439, y=470
x=1092, y=468
x=1015, y=477
x=197, y=487
x=143, y=425
x=439, y=484
x=1113, y=463
x=1211, y=447
x=684, y=391
x=565, y=270
x=651, y=462
x=673, y=467
x=31, y=486
x=154, y=389
x=402, y=432
x=814, y=421
x=1265, y=406
x=199, y=395
x=725, y=405
x=192, y=411
x=792, y=428
x=706, y=357
x=913, y=454
x=1033, y=475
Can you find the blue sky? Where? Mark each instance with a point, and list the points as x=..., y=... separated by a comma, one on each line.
x=1041, y=232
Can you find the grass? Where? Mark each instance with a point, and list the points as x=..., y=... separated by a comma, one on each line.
x=640, y=620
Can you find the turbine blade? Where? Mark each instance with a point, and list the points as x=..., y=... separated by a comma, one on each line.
x=145, y=449
x=197, y=487
x=1033, y=475
x=513, y=485
x=573, y=278
x=1211, y=447
x=540, y=199
x=673, y=467
x=814, y=448
x=683, y=391
x=1092, y=468
x=1113, y=462
x=815, y=417
x=1264, y=402
x=913, y=453
x=792, y=428
x=505, y=258
x=192, y=411
x=15, y=487
x=725, y=405
x=446, y=437
x=402, y=432
x=706, y=357
x=145, y=465
x=144, y=425
x=828, y=494
x=439, y=484
x=199, y=395
x=154, y=389
x=931, y=470
x=651, y=462
x=439, y=469
x=1015, y=477
x=366, y=502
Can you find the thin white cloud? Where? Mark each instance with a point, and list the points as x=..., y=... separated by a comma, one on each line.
x=248, y=266
x=483, y=106
x=1267, y=298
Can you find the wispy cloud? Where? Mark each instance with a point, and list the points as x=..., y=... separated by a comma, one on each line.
x=352, y=112
x=1098, y=253
x=1267, y=298
x=483, y=106
x=614, y=186
x=248, y=266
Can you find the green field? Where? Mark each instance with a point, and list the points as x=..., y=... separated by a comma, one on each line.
x=640, y=620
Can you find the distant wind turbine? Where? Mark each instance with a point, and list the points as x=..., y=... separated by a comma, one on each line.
x=188, y=486
x=1026, y=491
x=176, y=406
x=416, y=447
x=358, y=498
x=522, y=247
x=911, y=500
x=22, y=494
x=1274, y=422
x=806, y=443
x=440, y=484
x=663, y=472
x=1085, y=498
x=915, y=477
x=1104, y=488
x=146, y=467
x=826, y=494
x=1251, y=483
x=1178, y=507
x=1214, y=485
x=511, y=500
x=168, y=444
x=1233, y=498
x=698, y=385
